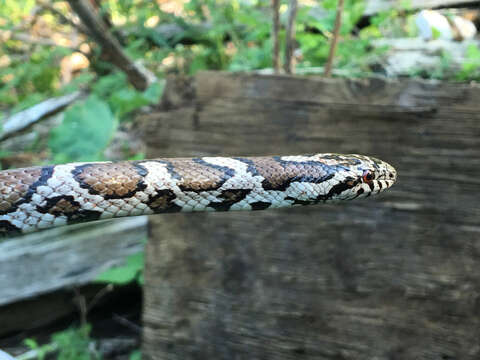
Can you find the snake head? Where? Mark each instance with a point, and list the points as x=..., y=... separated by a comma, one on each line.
x=376, y=176
x=357, y=176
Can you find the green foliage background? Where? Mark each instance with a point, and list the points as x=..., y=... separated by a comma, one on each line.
x=212, y=34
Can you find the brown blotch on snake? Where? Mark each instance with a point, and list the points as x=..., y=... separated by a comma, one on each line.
x=196, y=175
x=279, y=174
x=17, y=186
x=60, y=205
x=111, y=180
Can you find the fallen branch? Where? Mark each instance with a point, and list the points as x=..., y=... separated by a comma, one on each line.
x=23, y=119
x=137, y=75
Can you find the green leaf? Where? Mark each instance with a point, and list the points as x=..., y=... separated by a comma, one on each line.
x=136, y=355
x=41, y=351
x=473, y=52
x=84, y=133
x=108, y=84
x=74, y=344
x=436, y=33
x=154, y=92
x=127, y=99
x=31, y=343
x=125, y=274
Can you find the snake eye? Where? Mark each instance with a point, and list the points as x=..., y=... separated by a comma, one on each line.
x=367, y=176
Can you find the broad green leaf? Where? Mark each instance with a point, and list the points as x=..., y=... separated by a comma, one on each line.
x=126, y=273
x=85, y=132
x=128, y=99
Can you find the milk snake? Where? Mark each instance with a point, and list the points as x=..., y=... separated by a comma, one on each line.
x=42, y=197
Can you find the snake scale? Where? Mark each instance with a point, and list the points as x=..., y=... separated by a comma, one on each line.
x=42, y=197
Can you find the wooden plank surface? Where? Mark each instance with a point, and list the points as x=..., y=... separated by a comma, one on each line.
x=393, y=277
x=65, y=257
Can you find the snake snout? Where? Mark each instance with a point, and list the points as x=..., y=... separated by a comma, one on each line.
x=390, y=174
x=386, y=176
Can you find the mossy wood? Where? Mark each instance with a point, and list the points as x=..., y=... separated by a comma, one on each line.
x=394, y=277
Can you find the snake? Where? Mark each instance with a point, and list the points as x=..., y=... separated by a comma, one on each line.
x=36, y=198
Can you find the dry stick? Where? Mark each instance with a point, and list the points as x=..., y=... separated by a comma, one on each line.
x=333, y=46
x=110, y=45
x=99, y=295
x=275, y=30
x=290, y=36
x=26, y=118
x=127, y=323
x=81, y=302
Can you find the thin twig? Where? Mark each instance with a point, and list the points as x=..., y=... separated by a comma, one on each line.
x=127, y=323
x=99, y=295
x=275, y=30
x=82, y=306
x=290, y=36
x=333, y=46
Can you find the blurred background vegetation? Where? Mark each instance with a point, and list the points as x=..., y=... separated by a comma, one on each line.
x=47, y=51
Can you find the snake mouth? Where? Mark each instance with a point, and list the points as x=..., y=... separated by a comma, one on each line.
x=384, y=179
x=389, y=176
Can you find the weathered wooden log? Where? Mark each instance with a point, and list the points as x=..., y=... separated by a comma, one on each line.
x=50, y=260
x=388, y=278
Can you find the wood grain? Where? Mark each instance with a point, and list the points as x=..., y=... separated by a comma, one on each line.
x=40, y=263
x=393, y=277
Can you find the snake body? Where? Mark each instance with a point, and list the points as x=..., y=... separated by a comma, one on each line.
x=42, y=197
